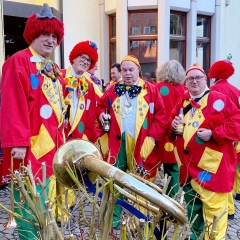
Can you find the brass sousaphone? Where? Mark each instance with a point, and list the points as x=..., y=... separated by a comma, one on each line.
x=89, y=160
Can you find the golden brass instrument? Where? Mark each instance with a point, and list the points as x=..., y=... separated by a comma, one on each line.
x=84, y=155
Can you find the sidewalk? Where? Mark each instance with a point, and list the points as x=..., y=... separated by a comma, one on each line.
x=233, y=232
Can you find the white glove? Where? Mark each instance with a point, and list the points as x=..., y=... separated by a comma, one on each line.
x=19, y=152
x=103, y=116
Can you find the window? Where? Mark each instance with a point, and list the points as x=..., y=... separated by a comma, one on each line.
x=177, y=44
x=203, y=42
x=143, y=40
x=112, y=39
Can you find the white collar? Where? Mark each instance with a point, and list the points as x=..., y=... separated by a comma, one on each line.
x=199, y=95
x=74, y=73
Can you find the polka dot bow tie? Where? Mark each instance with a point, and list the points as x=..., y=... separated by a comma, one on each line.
x=133, y=91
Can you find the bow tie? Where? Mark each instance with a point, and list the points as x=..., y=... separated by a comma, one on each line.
x=194, y=102
x=73, y=83
x=133, y=91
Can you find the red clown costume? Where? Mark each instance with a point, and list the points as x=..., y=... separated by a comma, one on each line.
x=138, y=120
x=203, y=164
x=220, y=72
x=32, y=113
x=170, y=94
x=80, y=96
x=150, y=122
x=170, y=78
x=33, y=108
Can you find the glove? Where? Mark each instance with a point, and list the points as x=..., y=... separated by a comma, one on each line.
x=19, y=152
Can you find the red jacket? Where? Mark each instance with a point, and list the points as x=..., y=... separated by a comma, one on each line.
x=212, y=163
x=171, y=94
x=151, y=121
x=83, y=126
x=223, y=86
x=30, y=114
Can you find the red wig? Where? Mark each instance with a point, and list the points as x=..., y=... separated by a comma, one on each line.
x=221, y=70
x=86, y=47
x=36, y=26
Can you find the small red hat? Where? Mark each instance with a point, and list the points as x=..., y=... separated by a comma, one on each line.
x=195, y=66
x=222, y=69
x=86, y=47
x=42, y=22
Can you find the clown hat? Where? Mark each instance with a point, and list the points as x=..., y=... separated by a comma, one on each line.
x=42, y=22
x=195, y=66
x=132, y=59
x=86, y=47
x=222, y=69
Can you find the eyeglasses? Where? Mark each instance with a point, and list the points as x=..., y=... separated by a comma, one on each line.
x=84, y=59
x=197, y=78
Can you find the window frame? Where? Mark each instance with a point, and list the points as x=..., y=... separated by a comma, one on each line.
x=112, y=39
x=206, y=40
x=143, y=37
x=180, y=38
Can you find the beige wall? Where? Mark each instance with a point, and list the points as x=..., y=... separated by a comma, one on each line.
x=82, y=22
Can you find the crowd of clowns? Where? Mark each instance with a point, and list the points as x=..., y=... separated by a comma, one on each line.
x=44, y=106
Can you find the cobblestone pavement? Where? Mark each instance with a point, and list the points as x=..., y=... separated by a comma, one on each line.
x=233, y=232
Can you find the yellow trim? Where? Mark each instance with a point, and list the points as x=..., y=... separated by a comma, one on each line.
x=179, y=163
x=96, y=88
x=118, y=102
x=140, y=103
x=50, y=90
x=238, y=146
x=79, y=114
x=189, y=130
x=103, y=143
x=68, y=100
x=49, y=83
x=39, y=64
x=147, y=148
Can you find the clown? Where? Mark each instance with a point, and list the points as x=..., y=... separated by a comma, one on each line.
x=80, y=94
x=33, y=105
x=170, y=79
x=219, y=73
x=205, y=153
x=137, y=121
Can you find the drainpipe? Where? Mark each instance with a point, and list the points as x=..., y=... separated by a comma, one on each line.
x=62, y=43
x=215, y=33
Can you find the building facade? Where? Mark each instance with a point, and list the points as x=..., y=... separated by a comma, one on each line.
x=189, y=31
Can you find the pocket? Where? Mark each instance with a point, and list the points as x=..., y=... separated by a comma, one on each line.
x=147, y=147
x=210, y=160
x=42, y=143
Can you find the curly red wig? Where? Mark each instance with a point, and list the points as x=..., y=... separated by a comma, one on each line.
x=36, y=26
x=86, y=47
x=221, y=70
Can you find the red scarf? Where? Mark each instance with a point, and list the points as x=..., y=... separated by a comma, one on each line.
x=186, y=96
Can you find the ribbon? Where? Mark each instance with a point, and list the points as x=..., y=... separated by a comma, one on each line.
x=123, y=204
